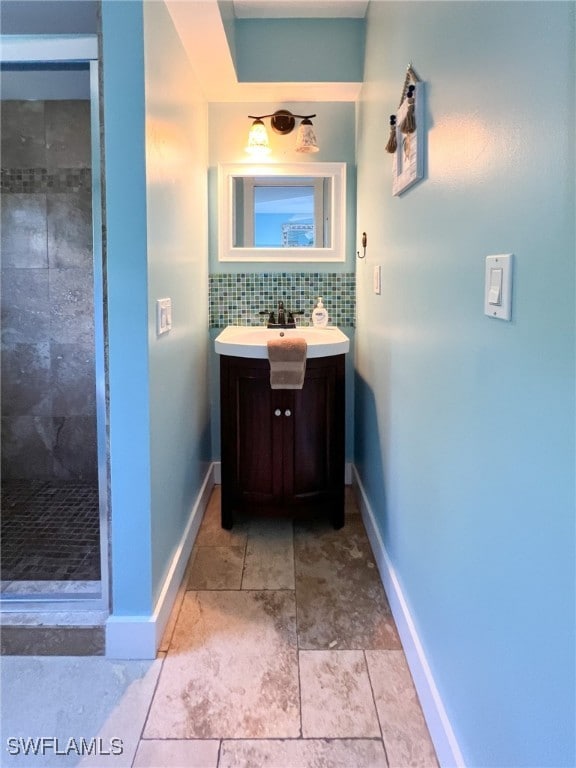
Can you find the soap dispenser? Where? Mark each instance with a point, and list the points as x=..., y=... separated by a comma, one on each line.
x=320, y=314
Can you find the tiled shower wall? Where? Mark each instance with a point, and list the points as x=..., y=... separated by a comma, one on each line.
x=237, y=299
x=48, y=379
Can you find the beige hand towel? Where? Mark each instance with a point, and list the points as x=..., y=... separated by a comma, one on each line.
x=287, y=358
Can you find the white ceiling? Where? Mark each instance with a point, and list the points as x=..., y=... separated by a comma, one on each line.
x=199, y=25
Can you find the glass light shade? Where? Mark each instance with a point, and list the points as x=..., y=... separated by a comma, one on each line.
x=258, y=139
x=306, y=138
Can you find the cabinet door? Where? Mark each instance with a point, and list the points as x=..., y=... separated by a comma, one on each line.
x=282, y=448
x=251, y=434
x=316, y=444
x=259, y=438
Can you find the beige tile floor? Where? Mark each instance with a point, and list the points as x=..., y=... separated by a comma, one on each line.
x=282, y=653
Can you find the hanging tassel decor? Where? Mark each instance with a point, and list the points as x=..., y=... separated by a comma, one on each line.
x=392, y=144
x=408, y=124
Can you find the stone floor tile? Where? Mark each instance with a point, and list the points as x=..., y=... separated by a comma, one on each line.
x=211, y=533
x=303, y=753
x=216, y=568
x=351, y=502
x=403, y=726
x=233, y=672
x=336, y=696
x=232, y=669
x=340, y=598
x=181, y=753
x=269, y=555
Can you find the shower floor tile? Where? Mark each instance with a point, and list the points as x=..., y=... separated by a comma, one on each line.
x=49, y=531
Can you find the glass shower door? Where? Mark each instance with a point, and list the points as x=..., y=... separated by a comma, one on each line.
x=53, y=411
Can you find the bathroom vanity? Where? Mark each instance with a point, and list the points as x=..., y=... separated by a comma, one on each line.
x=282, y=450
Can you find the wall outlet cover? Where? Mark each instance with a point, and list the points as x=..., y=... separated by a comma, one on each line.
x=377, y=279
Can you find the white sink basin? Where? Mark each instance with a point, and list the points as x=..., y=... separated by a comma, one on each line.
x=245, y=341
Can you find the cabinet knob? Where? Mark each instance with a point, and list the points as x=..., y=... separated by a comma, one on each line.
x=287, y=412
x=277, y=412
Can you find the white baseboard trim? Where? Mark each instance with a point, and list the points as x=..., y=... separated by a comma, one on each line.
x=130, y=637
x=441, y=732
x=138, y=637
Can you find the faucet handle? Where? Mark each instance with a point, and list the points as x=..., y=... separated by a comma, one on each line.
x=292, y=312
x=271, y=317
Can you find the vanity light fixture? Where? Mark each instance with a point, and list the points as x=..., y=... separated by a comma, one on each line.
x=258, y=143
x=283, y=122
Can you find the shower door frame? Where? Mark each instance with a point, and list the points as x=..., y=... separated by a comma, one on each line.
x=76, y=49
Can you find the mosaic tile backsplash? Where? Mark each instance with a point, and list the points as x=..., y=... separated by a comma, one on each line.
x=35, y=180
x=237, y=299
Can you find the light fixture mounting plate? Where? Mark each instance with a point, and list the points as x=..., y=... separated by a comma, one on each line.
x=282, y=121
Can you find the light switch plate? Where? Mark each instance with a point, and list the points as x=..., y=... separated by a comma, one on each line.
x=163, y=316
x=498, y=286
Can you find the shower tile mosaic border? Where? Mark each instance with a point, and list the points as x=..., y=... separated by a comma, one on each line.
x=34, y=180
x=237, y=299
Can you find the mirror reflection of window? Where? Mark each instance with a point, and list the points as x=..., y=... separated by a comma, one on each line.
x=282, y=214
x=283, y=217
x=285, y=212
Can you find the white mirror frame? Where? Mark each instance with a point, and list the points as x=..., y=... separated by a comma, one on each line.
x=227, y=251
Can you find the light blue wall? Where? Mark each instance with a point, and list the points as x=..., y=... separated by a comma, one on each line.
x=176, y=157
x=299, y=50
x=465, y=424
x=127, y=305
x=156, y=156
x=335, y=130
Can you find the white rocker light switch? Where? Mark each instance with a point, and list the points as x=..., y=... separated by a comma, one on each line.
x=498, y=286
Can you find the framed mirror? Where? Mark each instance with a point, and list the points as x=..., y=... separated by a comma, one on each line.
x=280, y=213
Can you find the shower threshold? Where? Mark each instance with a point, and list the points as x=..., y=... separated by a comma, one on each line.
x=53, y=633
x=51, y=589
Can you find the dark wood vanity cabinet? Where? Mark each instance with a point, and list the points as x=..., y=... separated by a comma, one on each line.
x=282, y=450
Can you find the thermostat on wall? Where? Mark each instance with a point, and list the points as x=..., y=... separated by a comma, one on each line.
x=163, y=315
